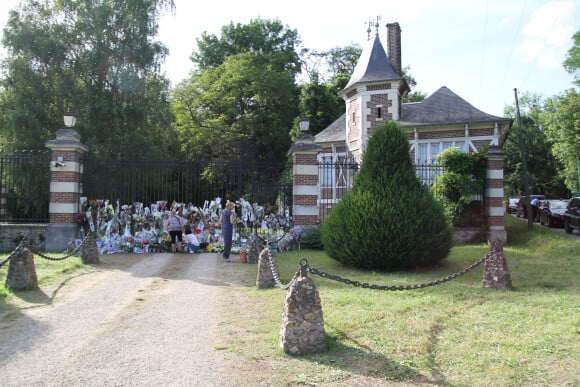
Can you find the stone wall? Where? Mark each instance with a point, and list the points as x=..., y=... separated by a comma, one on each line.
x=11, y=234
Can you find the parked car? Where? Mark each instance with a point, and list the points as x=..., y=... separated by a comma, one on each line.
x=511, y=206
x=551, y=212
x=572, y=215
x=523, y=206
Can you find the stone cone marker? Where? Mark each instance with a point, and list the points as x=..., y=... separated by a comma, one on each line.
x=21, y=271
x=302, y=330
x=89, y=251
x=495, y=270
x=265, y=277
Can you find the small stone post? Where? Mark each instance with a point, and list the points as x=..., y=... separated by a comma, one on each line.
x=21, y=271
x=495, y=271
x=89, y=251
x=255, y=247
x=302, y=330
x=265, y=275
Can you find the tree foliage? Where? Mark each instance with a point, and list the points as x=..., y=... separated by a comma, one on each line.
x=561, y=118
x=543, y=168
x=243, y=88
x=99, y=59
x=572, y=62
x=388, y=220
x=460, y=183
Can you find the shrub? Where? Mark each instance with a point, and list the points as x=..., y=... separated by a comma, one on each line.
x=459, y=185
x=388, y=220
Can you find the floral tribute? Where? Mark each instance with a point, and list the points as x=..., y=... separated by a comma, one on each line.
x=125, y=228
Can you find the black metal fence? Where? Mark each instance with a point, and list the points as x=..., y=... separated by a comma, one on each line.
x=186, y=181
x=25, y=187
x=336, y=178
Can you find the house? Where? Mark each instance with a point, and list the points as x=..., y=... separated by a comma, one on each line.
x=373, y=95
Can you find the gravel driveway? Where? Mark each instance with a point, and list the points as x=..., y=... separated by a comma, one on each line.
x=148, y=323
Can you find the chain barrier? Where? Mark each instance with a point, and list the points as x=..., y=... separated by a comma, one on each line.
x=305, y=267
x=23, y=243
x=276, y=275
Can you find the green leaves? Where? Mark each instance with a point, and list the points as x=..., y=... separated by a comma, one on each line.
x=388, y=220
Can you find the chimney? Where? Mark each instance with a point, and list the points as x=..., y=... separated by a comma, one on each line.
x=394, y=46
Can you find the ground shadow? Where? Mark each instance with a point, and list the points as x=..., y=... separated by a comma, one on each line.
x=361, y=360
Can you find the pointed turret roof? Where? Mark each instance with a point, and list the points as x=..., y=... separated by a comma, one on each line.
x=444, y=107
x=373, y=65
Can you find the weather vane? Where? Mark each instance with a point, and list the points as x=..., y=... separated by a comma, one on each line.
x=370, y=24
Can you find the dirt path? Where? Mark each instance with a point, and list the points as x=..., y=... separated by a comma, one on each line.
x=148, y=323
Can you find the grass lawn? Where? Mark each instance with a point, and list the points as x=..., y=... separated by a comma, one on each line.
x=454, y=334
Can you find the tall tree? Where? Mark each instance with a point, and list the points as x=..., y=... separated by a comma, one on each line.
x=243, y=88
x=99, y=59
x=562, y=121
x=572, y=62
x=543, y=168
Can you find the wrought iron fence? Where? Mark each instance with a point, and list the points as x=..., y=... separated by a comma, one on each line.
x=336, y=178
x=24, y=187
x=186, y=181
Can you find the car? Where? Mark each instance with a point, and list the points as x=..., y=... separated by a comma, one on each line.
x=572, y=215
x=551, y=212
x=511, y=205
x=522, y=209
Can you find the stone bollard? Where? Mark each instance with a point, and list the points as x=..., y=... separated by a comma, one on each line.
x=21, y=271
x=89, y=251
x=265, y=277
x=495, y=271
x=255, y=247
x=302, y=330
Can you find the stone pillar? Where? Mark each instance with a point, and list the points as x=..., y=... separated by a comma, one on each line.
x=65, y=188
x=256, y=245
x=494, y=194
x=495, y=270
x=89, y=251
x=21, y=271
x=302, y=330
x=265, y=277
x=305, y=181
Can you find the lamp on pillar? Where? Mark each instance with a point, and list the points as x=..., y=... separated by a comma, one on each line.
x=304, y=124
x=69, y=119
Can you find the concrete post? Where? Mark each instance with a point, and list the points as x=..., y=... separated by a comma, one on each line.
x=65, y=188
x=494, y=194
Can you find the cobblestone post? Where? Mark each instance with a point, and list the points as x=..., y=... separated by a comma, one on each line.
x=302, y=330
x=89, y=251
x=265, y=275
x=21, y=271
x=495, y=271
x=256, y=245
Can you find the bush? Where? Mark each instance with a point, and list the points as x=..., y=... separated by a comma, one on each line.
x=311, y=239
x=459, y=185
x=388, y=220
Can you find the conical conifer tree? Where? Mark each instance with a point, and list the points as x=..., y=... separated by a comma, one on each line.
x=388, y=220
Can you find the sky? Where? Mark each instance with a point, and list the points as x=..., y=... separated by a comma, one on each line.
x=480, y=49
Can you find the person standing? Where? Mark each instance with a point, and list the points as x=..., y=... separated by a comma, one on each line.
x=174, y=225
x=227, y=220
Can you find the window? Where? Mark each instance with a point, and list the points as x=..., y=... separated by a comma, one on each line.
x=335, y=174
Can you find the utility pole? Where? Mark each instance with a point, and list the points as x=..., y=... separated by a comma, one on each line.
x=524, y=164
